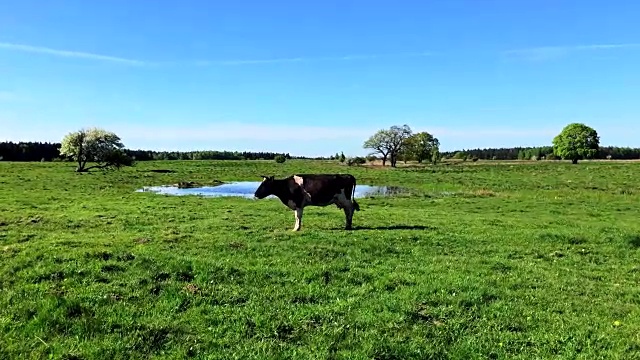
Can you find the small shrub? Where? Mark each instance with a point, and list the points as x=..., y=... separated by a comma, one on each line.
x=356, y=161
x=460, y=155
x=117, y=159
x=280, y=159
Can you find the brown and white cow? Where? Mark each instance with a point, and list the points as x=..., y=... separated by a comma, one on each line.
x=299, y=191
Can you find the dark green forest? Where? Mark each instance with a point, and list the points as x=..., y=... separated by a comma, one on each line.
x=44, y=151
x=37, y=151
x=537, y=153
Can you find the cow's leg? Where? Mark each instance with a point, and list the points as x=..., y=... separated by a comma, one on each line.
x=348, y=215
x=346, y=205
x=298, y=214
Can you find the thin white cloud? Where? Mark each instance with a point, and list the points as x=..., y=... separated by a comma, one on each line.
x=68, y=53
x=606, y=46
x=250, y=62
x=108, y=58
x=313, y=59
x=545, y=53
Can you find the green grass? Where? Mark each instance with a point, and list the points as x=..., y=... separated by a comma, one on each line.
x=479, y=261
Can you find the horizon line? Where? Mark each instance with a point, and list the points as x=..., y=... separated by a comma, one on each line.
x=222, y=150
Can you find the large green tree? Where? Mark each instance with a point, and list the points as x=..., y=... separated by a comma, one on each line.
x=575, y=142
x=95, y=145
x=423, y=146
x=379, y=142
x=398, y=136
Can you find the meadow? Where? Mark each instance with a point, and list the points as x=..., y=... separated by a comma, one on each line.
x=477, y=260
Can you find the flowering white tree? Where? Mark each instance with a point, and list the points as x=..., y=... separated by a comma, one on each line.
x=95, y=145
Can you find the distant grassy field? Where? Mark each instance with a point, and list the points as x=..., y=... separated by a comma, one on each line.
x=496, y=261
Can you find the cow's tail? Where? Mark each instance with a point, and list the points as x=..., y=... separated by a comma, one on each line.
x=356, y=207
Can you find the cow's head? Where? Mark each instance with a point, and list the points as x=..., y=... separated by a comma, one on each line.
x=266, y=187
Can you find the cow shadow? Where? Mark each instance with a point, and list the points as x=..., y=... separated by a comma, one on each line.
x=394, y=227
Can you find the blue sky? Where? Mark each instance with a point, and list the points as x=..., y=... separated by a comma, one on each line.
x=315, y=78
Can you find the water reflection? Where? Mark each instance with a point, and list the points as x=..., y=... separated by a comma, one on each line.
x=247, y=188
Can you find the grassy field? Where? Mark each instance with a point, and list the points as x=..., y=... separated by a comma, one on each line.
x=479, y=260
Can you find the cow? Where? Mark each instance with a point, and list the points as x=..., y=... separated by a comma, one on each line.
x=299, y=191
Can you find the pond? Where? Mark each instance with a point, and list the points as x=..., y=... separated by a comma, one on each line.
x=247, y=188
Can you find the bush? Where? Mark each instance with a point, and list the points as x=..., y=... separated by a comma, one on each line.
x=280, y=159
x=356, y=161
x=461, y=155
x=117, y=159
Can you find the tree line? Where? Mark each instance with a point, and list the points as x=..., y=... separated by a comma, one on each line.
x=537, y=153
x=576, y=141
x=104, y=149
x=29, y=151
x=45, y=151
x=146, y=155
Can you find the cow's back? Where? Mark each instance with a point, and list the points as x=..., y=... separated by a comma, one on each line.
x=325, y=186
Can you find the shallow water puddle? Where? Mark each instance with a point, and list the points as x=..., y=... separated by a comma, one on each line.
x=247, y=188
